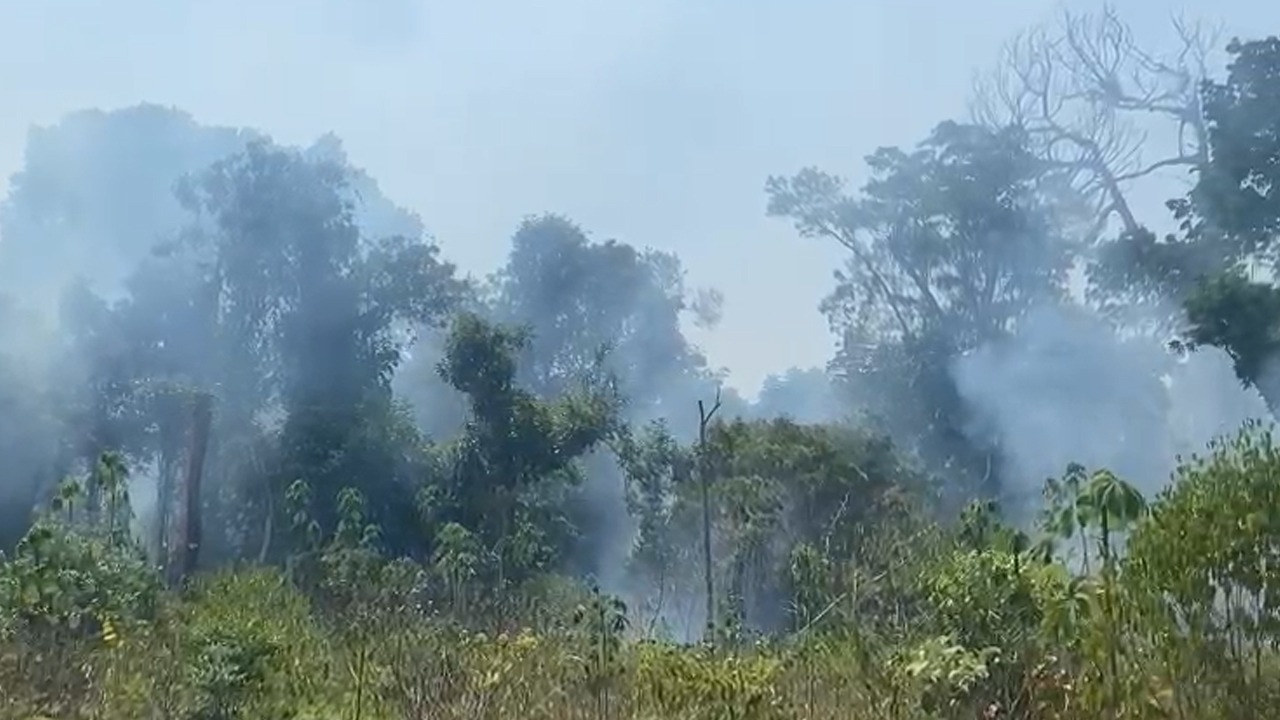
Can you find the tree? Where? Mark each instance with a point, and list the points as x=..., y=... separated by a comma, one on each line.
x=1204, y=557
x=804, y=395
x=656, y=468
x=1225, y=253
x=1235, y=195
x=949, y=245
x=506, y=478
x=782, y=485
x=227, y=286
x=705, y=417
x=95, y=195
x=593, y=307
x=959, y=232
x=309, y=311
x=1086, y=94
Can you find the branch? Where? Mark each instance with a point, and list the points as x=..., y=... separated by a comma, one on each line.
x=877, y=277
x=704, y=417
x=1167, y=162
x=1077, y=88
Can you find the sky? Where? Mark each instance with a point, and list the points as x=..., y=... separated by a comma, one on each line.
x=655, y=122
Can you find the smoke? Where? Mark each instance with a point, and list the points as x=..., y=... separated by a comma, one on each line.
x=96, y=194
x=806, y=396
x=142, y=487
x=1065, y=387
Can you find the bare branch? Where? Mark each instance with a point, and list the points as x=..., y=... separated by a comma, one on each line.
x=1085, y=91
x=704, y=415
x=1167, y=162
x=849, y=241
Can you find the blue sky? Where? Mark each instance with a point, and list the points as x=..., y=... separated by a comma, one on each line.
x=652, y=121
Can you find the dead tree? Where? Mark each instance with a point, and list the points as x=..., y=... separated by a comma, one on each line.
x=189, y=526
x=1089, y=96
x=704, y=477
x=167, y=406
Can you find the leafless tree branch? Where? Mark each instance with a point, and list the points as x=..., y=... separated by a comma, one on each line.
x=1085, y=91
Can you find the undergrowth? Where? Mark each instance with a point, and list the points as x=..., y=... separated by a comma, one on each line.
x=1118, y=609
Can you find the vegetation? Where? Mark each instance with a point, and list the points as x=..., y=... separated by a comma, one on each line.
x=287, y=463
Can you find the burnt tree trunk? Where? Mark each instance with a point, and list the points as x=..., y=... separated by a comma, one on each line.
x=190, y=528
x=704, y=476
x=172, y=422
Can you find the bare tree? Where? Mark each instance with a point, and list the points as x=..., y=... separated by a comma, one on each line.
x=190, y=526
x=1089, y=96
x=704, y=477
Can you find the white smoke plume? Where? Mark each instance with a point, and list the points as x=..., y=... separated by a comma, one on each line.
x=1065, y=387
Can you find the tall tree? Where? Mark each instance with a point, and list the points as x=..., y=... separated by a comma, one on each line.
x=601, y=306
x=804, y=395
x=309, y=314
x=92, y=224
x=1225, y=258
x=949, y=245
x=1101, y=109
x=604, y=308
x=505, y=480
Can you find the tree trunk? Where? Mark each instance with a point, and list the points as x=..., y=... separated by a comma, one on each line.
x=704, y=476
x=170, y=457
x=190, y=526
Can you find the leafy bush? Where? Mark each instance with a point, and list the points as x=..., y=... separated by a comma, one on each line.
x=64, y=576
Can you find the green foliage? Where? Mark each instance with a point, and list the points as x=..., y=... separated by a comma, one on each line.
x=965, y=193
x=985, y=598
x=697, y=685
x=797, y=512
x=238, y=645
x=1230, y=220
x=601, y=623
x=505, y=475
x=944, y=672
x=69, y=590
x=1204, y=561
x=1240, y=316
x=1233, y=196
x=83, y=574
x=1214, y=531
x=234, y=649
x=75, y=579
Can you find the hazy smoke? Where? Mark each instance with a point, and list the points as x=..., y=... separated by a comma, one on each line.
x=806, y=396
x=1066, y=388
